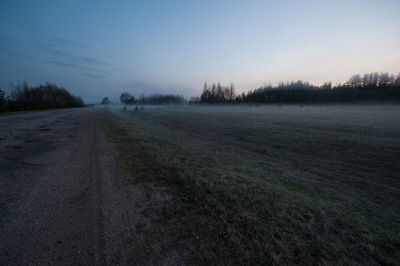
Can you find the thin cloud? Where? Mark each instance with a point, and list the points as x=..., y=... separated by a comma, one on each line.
x=69, y=65
x=52, y=49
x=89, y=60
x=77, y=44
x=95, y=76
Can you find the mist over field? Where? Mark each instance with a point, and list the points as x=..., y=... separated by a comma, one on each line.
x=315, y=181
x=200, y=133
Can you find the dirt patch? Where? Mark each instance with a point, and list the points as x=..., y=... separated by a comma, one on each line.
x=65, y=201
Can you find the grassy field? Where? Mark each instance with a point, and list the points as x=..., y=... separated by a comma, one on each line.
x=267, y=184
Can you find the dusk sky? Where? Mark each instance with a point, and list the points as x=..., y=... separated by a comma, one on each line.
x=101, y=48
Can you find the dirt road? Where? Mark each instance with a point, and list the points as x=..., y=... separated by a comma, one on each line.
x=62, y=201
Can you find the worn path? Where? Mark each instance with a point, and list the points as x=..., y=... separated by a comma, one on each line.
x=62, y=199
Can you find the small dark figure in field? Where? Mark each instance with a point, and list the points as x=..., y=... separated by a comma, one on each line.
x=140, y=109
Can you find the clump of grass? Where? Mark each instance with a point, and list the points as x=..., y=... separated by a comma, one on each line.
x=221, y=213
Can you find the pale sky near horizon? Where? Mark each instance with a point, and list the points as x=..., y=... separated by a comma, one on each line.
x=101, y=48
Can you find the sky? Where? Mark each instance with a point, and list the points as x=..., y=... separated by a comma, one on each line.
x=102, y=48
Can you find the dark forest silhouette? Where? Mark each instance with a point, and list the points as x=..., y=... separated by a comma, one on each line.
x=373, y=87
x=48, y=96
x=127, y=98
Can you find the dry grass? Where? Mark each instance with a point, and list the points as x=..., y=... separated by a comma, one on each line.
x=267, y=185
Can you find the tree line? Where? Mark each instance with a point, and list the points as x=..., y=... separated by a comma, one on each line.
x=373, y=87
x=47, y=96
x=218, y=94
x=127, y=98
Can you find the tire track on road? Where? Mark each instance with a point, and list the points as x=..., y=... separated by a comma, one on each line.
x=98, y=184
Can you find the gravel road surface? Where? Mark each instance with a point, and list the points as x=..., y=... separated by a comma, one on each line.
x=63, y=201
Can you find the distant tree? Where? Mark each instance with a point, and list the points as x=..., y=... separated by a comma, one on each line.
x=131, y=100
x=213, y=93
x=2, y=100
x=125, y=96
x=327, y=85
x=375, y=78
x=195, y=99
x=366, y=79
x=105, y=100
x=355, y=80
x=384, y=79
x=220, y=94
x=231, y=94
x=142, y=99
x=397, y=80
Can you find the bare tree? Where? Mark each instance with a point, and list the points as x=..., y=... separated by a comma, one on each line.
x=2, y=100
x=125, y=97
x=105, y=100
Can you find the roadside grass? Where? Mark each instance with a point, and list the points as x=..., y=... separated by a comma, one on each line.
x=230, y=207
x=5, y=113
x=19, y=112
